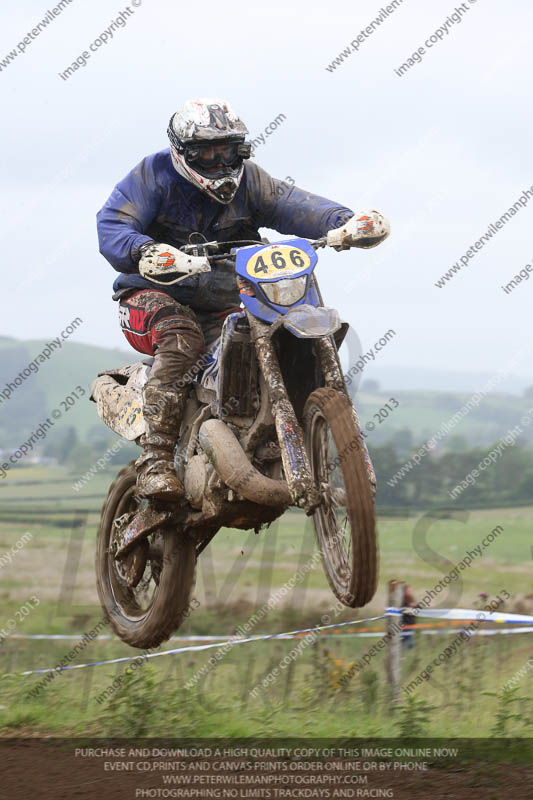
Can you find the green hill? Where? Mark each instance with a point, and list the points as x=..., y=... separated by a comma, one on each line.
x=33, y=401
x=423, y=413
x=418, y=416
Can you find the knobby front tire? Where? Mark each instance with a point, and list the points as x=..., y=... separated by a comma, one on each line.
x=345, y=523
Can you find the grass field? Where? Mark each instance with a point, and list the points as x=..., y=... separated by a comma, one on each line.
x=235, y=576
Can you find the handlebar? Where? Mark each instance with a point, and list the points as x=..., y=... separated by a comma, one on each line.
x=201, y=255
x=204, y=248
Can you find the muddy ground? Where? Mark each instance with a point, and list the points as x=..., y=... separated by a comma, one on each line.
x=46, y=770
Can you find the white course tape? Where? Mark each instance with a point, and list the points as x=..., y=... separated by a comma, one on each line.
x=221, y=638
x=194, y=648
x=461, y=613
x=223, y=641
x=478, y=632
x=75, y=637
x=440, y=613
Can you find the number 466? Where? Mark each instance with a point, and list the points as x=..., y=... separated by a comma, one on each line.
x=278, y=261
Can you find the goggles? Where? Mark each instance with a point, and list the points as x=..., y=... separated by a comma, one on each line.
x=212, y=156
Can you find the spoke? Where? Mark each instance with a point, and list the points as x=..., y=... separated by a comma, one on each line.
x=324, y=455
x=336, y=529
x=137, y=599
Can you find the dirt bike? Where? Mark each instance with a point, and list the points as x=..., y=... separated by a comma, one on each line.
x=268, y=425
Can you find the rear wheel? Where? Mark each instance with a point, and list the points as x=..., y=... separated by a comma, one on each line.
x=345, y=521
x=146, y=594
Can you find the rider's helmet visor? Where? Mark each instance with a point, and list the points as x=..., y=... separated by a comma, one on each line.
x=212, y=158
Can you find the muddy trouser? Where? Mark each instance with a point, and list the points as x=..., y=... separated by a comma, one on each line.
x=156, y=324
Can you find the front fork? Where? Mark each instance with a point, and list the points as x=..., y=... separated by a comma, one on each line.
x=296, y=464
x=294, y=456
x=334, y=379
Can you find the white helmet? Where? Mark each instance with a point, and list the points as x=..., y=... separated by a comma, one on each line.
x=207, y=146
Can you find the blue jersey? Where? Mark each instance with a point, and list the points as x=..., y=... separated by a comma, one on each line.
x=154, y=203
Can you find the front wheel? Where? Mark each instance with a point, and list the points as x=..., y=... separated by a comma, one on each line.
x=145, y=595
x=344, y=522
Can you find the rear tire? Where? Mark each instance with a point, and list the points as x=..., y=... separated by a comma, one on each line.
x=345, y=522
x=170, y=565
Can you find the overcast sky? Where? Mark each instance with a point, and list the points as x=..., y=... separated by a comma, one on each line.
x=443, y=151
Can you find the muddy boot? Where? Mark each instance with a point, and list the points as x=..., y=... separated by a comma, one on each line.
x=163, y=412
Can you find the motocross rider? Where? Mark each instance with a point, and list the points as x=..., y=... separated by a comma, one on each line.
x=203, y=184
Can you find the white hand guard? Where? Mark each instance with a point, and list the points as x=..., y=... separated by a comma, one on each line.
x=365, y=229
x=165, y=264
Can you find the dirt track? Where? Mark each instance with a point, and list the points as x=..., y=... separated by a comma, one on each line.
x=43, y=770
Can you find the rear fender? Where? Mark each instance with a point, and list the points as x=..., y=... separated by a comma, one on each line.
x=118, y=397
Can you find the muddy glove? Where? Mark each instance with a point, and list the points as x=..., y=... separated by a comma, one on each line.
x=365, y=229
x=165, y=264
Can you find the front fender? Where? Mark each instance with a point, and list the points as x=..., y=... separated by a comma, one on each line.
x=309, y=322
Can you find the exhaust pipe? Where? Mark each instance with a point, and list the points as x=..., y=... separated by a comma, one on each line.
x=229, y=459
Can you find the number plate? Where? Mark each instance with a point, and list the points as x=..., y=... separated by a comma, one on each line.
x=277, y=260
